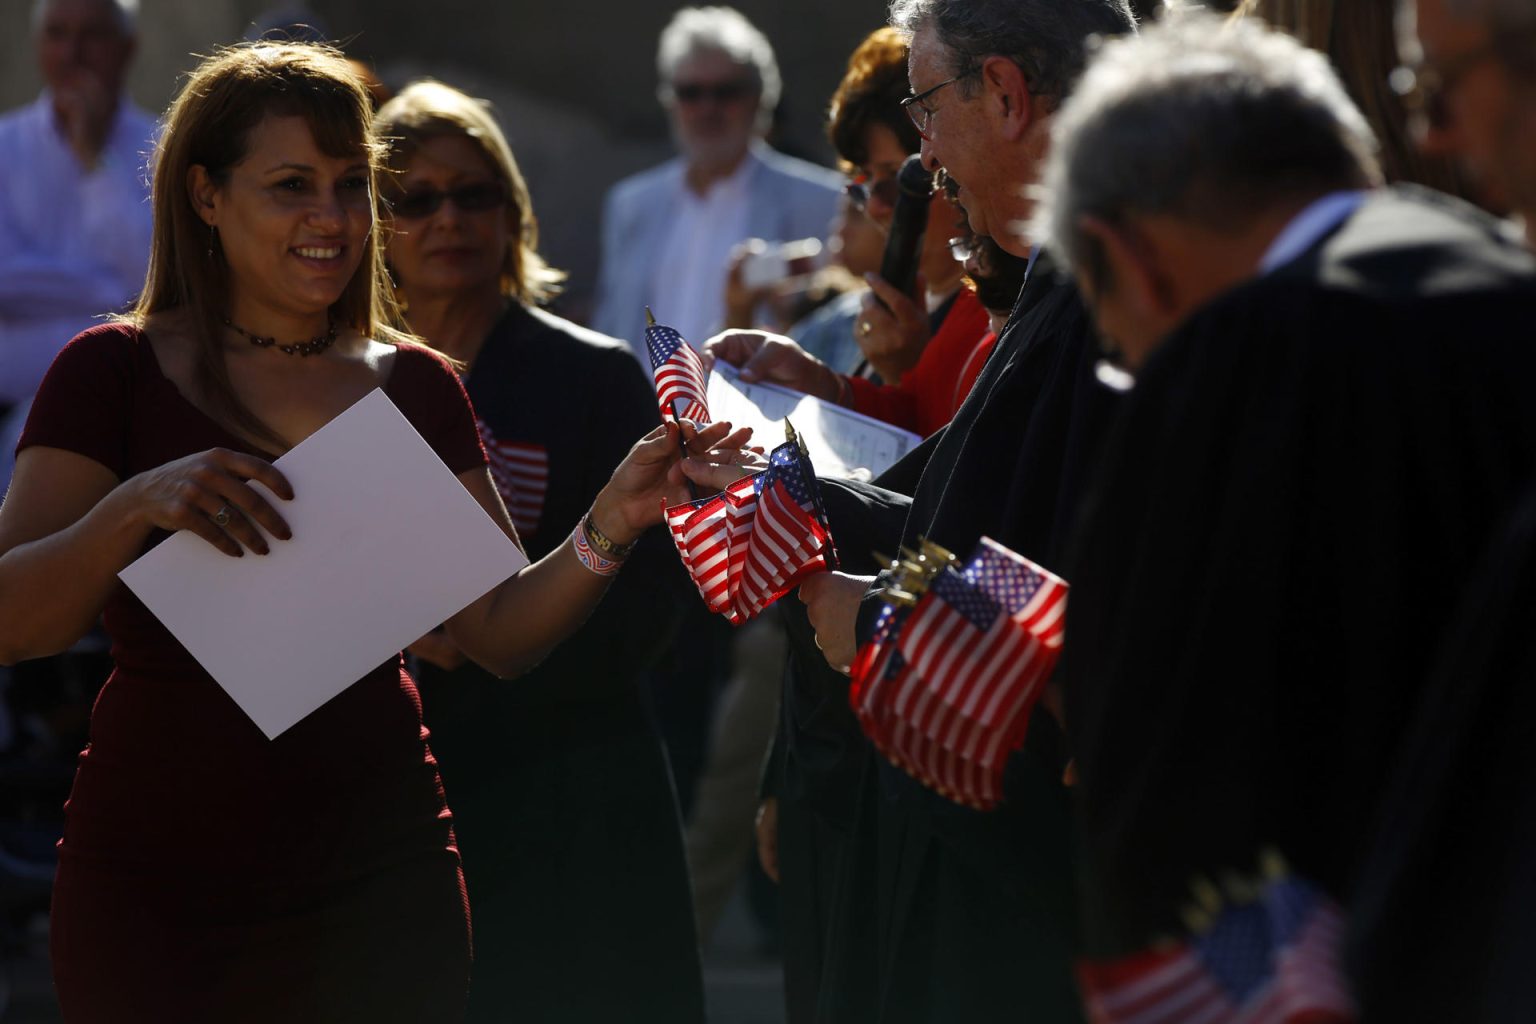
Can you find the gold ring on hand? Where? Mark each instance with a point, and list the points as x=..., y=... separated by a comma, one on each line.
x=221, y=517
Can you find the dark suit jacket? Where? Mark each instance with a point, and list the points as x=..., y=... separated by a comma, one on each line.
x=1289, y=505
x=974, y=913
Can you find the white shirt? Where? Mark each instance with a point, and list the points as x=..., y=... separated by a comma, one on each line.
x=690, y=275
x=73, y=244
x=1320, y=217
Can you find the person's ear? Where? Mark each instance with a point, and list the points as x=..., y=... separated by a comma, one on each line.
x=1132, y=267
x=203, y=194
x=1007, y=91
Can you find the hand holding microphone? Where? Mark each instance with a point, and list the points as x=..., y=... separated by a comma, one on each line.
x=893, y=328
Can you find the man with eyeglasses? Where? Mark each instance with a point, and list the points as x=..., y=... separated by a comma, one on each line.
x=1469, y=72
x=668, y=232
x=945, y=913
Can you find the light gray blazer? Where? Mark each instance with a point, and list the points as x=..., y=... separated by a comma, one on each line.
x=790, y=199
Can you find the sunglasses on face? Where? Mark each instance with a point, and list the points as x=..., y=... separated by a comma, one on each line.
x=416, y=204
x=862, y=189
x=718, y=92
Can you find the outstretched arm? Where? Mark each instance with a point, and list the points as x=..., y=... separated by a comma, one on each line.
x=511, y=628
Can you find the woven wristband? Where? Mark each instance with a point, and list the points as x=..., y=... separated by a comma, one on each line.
x=589, y=556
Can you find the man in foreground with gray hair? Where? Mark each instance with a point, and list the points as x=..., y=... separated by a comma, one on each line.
x=1330, y=413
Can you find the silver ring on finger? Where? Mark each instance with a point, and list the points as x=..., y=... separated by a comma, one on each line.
x=221, y=517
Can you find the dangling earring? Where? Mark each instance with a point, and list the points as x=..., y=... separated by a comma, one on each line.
x=213, y=239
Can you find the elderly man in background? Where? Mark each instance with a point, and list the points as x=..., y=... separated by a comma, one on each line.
x=668, y=232
x=74, y=210
x=1470, y=71
x=1330, y=415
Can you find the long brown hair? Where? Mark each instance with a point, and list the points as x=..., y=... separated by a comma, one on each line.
x=870, y=94
x=427, y=110
x=209, y=124
x=1360, y=38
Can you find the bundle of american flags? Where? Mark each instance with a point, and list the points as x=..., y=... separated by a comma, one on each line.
x=959, y=657
x=756, y=540
x=1266, y=954
x=679, y=374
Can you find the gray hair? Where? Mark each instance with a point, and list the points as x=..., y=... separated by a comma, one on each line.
x=125, y=11
x=1047, y=39
x=1208, y=121
x=726, y=30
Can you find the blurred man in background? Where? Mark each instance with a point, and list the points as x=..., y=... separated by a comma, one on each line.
x=74, y=210
x=668, y=232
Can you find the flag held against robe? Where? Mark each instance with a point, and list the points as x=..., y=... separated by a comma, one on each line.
x=679, y=374
x=946, y=686
x=753, y=542
x=1268, y=954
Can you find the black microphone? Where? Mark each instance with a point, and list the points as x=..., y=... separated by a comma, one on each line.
x=909, y=221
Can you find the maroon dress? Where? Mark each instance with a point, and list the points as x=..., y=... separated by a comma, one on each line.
x=207, y=873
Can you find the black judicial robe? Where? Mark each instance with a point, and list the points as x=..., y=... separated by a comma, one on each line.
x=938, y=912
x=1442, y=927
x=562, y=800
x=1293, y=498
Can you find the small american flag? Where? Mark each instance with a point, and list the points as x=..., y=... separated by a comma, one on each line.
x=1273, y=960
x=679, y=374
x=756, y=540
x=521, y=474
x=946, y=689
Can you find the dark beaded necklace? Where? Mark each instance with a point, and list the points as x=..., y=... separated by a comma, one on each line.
x=313, y=347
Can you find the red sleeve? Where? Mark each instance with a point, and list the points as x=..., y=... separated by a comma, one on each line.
x=429, y=393
x=972, y=368
x=928, y=395
x=889, y=403
x=85, y=400
x=934, y=379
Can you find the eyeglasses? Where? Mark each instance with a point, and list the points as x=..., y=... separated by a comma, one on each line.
x=717, y=92
x=421, y=203
x=1424, y=87
x=921, y=113
x=863, y=188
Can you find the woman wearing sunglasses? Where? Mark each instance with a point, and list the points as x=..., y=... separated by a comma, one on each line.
x=562, y=798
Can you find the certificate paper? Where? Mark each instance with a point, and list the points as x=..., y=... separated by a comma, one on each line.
x=386, y=545
x=841, y=442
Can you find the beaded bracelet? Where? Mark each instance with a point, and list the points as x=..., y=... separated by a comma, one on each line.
x=589, y=557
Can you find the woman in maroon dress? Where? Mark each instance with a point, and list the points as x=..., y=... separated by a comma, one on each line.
x=206, y=873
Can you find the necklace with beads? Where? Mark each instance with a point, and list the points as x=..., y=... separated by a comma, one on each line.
x=313, y=347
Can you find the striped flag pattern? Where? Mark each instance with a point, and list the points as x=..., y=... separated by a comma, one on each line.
x=755, y=541
x=521, y=474
x=680, y=385
x=1274, y=960
x=945, y=690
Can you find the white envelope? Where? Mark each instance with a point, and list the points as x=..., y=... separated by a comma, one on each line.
x=386, y=545
x=841, y=442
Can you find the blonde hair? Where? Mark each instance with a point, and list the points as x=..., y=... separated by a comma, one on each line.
x=426, y=110
x=208, y=125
